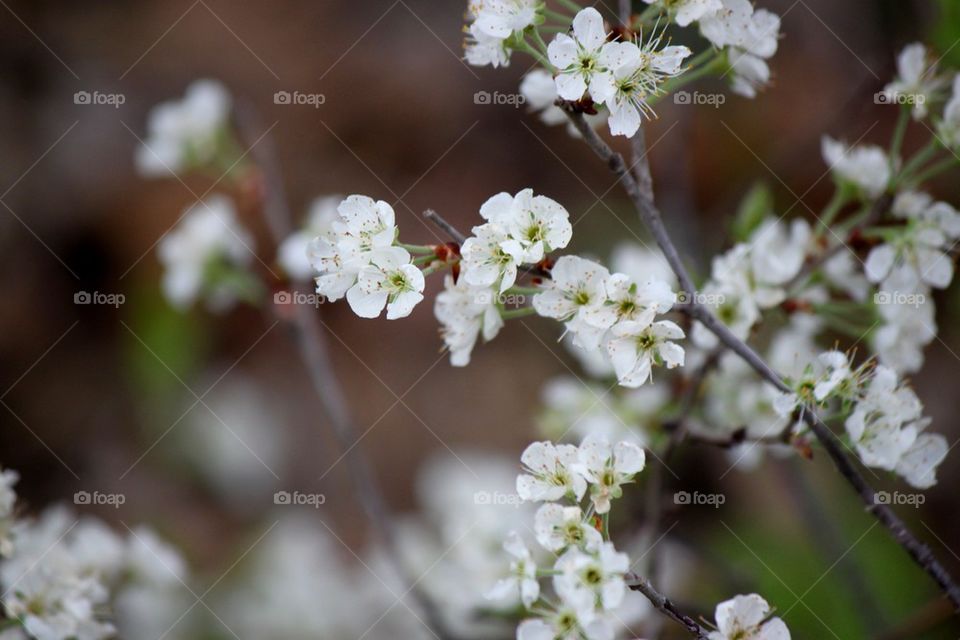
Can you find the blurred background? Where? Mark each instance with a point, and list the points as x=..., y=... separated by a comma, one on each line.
x=119, y=399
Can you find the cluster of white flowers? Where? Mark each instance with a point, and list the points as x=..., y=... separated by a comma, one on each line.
x=588, y=574
x=913, y=258
x=751, y=276
x=749, y=36
x=614, y=314
x=187, y=134
x=204, y=254
x=492, y=24
x=747, y=617
x=622, y=75
x=358, y=258
x=61, y=574
x=886, y=428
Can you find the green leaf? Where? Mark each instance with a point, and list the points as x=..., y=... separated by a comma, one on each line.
x=755, y=206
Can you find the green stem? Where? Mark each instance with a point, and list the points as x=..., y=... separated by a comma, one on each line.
x=684, y=79
x=510, y=314
x=933, y=171
x=416, y=248
x=524, y=290
x=556, y=15
x=840, y=197
x=422, y=260
x=523, y=45
x=539, y=40
x=897, y=143
x=605, y=523
x=434, y=268
x=916, y=162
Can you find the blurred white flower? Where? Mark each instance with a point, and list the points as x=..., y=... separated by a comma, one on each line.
x=203, y=253
x=523, y=574
x=866, y=167
x=186, y=134
x=747, y=618
x=293, y=252
x=466, y=312
x=917, y=81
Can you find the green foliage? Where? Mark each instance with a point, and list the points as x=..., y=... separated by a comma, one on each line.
x=755, y=206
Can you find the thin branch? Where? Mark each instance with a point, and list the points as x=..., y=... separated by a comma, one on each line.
x=644, y=204
x=664, y=605
x=312, y=344
x=448, y=228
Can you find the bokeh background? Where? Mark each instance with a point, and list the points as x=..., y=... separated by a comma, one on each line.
x=96, y=397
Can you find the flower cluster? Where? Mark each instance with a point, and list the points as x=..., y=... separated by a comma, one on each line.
x=59, y=574
x=206, y=256
x=588, y=575
x=886, y=428
x=493, y=25
x=358, y=258
x=748, y=35
x=189, y=134
x=751, y=276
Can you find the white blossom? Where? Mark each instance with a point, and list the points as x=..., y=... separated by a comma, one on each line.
x=491, y=257
x=747, y=618
x=186, y=134
x=199, y=253
x=566, y=624
x=481, y=49
x=949, y=127
x=686, y=11
x=540, y=225
x=502, y=18
x=558, y=527
x=466, y=312
x=587, y=580
x=391, y=280
x=918, y=464
x=865, y=167
x=916, y=82
x=365, y=229
x=750, y=37
x=606, y=468
x=638, y=72
x=551, y=473
x=575, y=286
x=523, y=574
x=635, y=349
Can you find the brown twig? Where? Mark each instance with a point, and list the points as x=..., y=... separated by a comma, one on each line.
x=664, y=605
x=650, y=215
